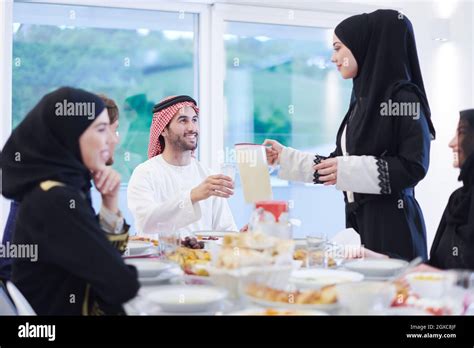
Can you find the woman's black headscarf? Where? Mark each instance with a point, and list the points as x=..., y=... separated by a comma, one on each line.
x=45, y=145
x=383, y=45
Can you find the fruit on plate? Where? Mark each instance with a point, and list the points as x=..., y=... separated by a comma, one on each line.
x=192, y=243
x=189, y=258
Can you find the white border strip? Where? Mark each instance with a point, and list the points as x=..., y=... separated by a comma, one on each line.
x=6, y=39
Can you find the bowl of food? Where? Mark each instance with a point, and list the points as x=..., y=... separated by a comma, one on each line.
x=427, y=284
x=288, y=297
x=368, y=297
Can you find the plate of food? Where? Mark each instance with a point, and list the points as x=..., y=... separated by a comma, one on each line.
x=315, y=278
x=192, y=261
x=144, y=239
x=187, y=298
x=324, y=299
x=379, y=268
x=276, y=312
x=211, y=236
x=428, y=284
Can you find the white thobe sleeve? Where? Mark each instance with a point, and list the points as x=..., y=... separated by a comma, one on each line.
x=151, y=214
x=222, y=219
x=359, y=174
x=296, y=165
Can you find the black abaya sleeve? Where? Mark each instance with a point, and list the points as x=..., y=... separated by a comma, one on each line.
x=410, y=164
x=73, y=240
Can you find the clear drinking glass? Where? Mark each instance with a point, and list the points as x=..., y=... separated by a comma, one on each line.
x=169, y=239
x=228, y=169
x=316, y=248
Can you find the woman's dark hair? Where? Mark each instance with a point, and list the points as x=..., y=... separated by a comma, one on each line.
x=111, y=106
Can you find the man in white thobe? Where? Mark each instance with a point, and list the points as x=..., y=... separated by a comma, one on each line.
x=172, y=190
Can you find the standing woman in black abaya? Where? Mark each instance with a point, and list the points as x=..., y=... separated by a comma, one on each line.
x=383, y=144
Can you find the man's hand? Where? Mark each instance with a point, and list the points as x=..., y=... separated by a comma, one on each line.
x=214, y=185
x=107, y=183
x=273, y=151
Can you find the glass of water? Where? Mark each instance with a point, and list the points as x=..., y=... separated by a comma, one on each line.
x=316, y=248
x=228, y=169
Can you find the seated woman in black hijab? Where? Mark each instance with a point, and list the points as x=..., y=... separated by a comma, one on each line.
x=46, y=166
x=383, y=143
x=453, y=245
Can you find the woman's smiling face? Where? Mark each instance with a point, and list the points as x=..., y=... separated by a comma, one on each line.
x=462, y=144
x=344, y=59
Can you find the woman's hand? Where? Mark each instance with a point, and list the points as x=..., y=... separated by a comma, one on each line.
x=327, y=170
x=273, y=151
x=363, y=252
x=245, y=228
x=107, y=182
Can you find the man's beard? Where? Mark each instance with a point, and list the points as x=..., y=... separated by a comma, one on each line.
x=180, y=143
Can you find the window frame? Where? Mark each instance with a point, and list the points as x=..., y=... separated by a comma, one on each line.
x=323, y=16
x=209, y=82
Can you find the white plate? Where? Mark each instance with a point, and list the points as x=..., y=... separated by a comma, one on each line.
x=187, y=298
x=317, y=278
x=329, y=308
x=137, y=247
x=376, y=267
x=217, y=234
x=162, y=278
x=148, y=267
x=261, y=311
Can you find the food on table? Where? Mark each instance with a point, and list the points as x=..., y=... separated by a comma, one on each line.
x=402, y=293
x=192, y=243
x=259, y=241
x=253, y=249
x=189, y=259
x=278, y=312
x=325, y=295
x=208, y=238
x=302, y=255
x=428, y=277
x=232, y=258
x=144, y=239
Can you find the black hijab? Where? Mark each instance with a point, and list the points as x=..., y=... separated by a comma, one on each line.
x=461, y=203
x=383, y=45
x=45, y=145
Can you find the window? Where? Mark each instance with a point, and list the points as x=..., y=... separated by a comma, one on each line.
x=256, y=73
x=280, y=84
x=135, y=57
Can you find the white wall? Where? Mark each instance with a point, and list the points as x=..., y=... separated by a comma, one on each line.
x=5, y=92
x=448, y=73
